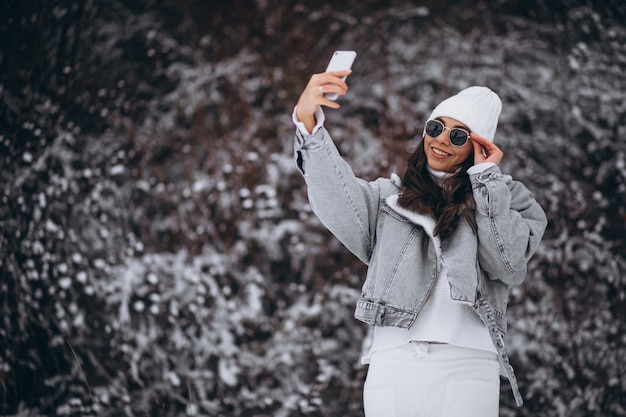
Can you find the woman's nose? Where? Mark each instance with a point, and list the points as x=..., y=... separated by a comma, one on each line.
x=444, y=137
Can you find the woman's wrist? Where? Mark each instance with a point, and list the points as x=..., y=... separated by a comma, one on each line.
x=308, y=121
x=480, y=167
x=309, y=125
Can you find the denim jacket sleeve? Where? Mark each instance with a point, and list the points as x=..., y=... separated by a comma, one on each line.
x=348, y=206
x=510, y=225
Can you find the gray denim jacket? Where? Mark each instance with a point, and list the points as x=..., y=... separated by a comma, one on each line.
x=404, y=257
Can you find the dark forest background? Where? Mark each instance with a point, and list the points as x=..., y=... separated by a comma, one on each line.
x=159, y=258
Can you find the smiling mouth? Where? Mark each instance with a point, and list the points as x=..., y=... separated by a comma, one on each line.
x=440, y=152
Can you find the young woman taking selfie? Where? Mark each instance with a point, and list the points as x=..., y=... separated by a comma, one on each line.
x=443, y=245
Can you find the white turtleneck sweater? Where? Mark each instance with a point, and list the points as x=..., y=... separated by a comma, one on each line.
x=441, y=320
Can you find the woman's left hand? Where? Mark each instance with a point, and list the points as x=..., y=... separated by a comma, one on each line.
x=485, y=150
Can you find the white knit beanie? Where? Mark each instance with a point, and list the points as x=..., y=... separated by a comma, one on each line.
x=478, y=108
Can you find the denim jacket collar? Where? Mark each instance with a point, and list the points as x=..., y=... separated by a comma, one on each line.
x=426, y=222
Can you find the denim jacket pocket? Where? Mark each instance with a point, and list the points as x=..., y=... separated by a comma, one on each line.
x=402, y=266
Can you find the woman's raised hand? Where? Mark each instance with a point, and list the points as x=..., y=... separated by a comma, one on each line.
x=313, y=95
x=491, y=152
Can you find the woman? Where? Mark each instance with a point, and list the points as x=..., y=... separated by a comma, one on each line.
x=443, y=246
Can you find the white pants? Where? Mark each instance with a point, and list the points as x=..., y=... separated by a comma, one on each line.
x=432, y=380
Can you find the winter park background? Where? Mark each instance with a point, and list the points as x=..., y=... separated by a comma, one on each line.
x=158, y=255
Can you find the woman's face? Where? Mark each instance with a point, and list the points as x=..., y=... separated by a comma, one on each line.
x=441, y=155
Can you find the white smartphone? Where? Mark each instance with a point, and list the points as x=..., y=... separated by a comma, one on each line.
x=341, y=60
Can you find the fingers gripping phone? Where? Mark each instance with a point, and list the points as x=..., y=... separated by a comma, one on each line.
x=341, y=60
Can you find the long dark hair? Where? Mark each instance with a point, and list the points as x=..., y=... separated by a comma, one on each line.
x=446, y=204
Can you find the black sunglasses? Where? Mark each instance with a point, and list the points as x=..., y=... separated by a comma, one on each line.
x=458, y=137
